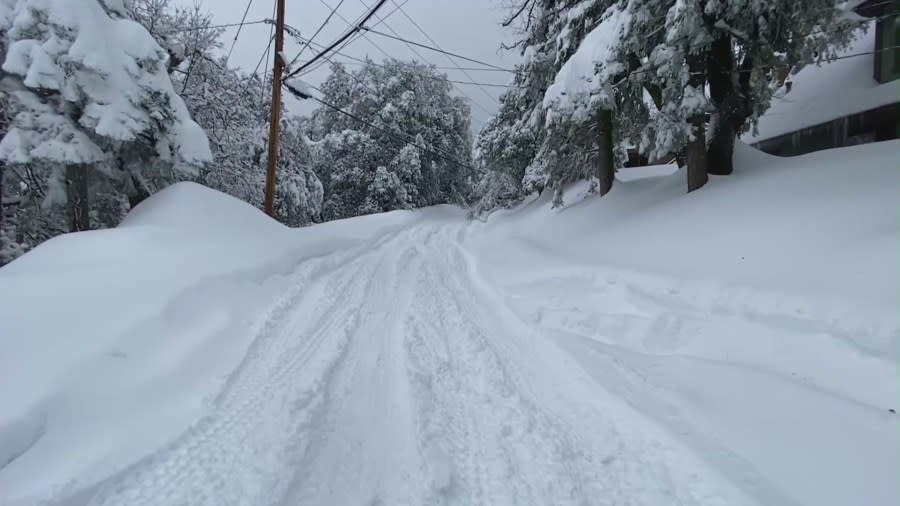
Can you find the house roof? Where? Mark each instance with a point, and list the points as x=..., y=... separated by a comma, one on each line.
x=822, y=93
x=873, y=8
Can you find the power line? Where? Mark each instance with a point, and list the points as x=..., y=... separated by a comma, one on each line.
x=430, y=39
x=213, y=27
x=327, y=19
x=272, y=36
x=431, y=48
x=395, y=9
x=353, y=39
x=370, y=41
x=263, y=56
x=343, y=41
x=353, y=76
x=360, y=61
x=417, y=53
x=492, y=85
x=238, y=33
x=340, y=39
x=395, y=135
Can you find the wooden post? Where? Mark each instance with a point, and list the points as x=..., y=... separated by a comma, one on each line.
x=275, y=119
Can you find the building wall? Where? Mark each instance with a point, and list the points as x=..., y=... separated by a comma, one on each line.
x=874, y=125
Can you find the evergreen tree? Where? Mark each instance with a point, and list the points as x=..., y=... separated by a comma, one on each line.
x=414, y=134
x=92, y=103
x=601, y=74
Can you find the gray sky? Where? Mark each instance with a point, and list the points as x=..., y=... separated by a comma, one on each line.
x=467, y=27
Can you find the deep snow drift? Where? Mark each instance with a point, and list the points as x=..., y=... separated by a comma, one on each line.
x=735, y=345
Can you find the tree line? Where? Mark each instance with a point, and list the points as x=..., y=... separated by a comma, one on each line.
x=675, y=79
x=85, y=139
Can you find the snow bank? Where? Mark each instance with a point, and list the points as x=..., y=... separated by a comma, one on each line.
x=830, y=91
x=820, y=227
x=755, y=318
x=112, y=342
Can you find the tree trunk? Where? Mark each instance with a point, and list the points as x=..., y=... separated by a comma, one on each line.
x=77, y=197
x=697, y=174
x=721, y=145
x=722, y=92
x=696, y=148
x=139, y=191
x=606, y=170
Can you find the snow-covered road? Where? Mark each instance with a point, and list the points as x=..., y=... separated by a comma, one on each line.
x=599, y=353
x=399, y=372
x=393, y=373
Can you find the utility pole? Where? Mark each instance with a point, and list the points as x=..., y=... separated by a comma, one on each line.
x=275, y=120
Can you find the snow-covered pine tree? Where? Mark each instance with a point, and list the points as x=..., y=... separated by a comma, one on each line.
x=231, y=107
x=507, y=144
x=510, y=142
x=92, y=97
x=407, y=165
x=385, y=193
x=565, y=100
x=406, y=108
x=647, y=62
x=345, y=162
x=581, y=103
x=300, y=195
x=750, y=42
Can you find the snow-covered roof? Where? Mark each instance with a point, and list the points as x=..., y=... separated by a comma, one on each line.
x=830, y=91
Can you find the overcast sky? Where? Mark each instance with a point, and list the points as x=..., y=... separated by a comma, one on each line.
x=467, y=27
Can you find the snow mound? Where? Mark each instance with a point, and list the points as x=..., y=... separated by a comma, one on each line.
x=193, y=206
x=822, y=227
x=756, y=317
x=113, y=342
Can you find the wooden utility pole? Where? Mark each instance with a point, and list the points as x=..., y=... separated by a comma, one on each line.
x=275, y=120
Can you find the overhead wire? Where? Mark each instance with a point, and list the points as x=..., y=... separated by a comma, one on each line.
x=213, y=27
x=452, y=61
x=238, y=33
x=359, y=61
x=268, y=51
x=319, y=30
x=370, y=41
x=353, y=39
x=340, y=39
x=432, y=48
x=403, y=137
x=417, y=53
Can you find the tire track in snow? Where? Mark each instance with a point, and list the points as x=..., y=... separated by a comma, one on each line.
x=364, y=449
x=395, y=375
x=242, y=452
x=550, y=434
x=505, y=450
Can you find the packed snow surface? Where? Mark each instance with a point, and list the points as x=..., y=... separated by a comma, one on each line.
x=737, y=345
